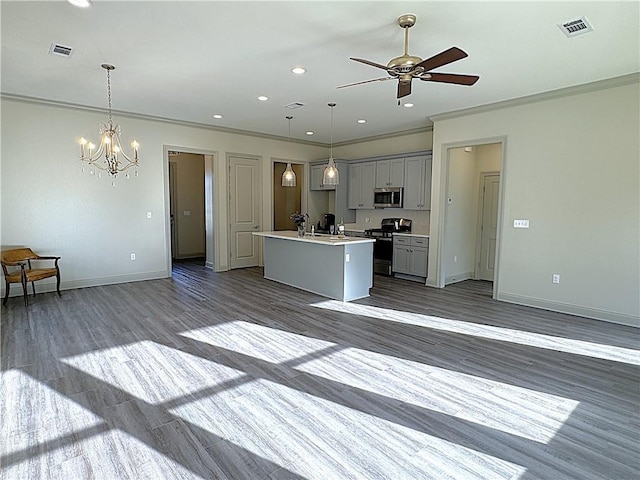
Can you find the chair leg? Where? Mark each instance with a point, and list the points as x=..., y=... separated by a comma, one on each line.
x=25, y=291
x=58, y=283
x=6, y=293
x=33, y=286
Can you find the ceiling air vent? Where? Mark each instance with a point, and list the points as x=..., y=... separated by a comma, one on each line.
x=576, y=27
x=61, y=50
x=294, y=105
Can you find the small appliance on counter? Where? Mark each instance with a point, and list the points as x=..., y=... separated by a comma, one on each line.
x=383, y=248
x=328, y=221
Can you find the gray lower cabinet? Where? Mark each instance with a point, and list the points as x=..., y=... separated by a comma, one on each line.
x=417, y=183
x=410, y=257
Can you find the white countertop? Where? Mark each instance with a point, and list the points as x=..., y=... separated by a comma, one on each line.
x=421, y=235
x=317, y=238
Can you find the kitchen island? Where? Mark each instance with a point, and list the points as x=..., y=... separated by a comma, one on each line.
x=334, y=267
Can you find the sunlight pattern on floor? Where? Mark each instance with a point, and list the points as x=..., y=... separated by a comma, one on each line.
x=549, y=342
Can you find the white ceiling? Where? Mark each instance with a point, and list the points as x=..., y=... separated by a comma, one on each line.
x=188, y=60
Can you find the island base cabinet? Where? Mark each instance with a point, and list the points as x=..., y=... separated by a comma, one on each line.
x=340, y=272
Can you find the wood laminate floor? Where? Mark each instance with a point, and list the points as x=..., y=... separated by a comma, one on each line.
x=230, y=376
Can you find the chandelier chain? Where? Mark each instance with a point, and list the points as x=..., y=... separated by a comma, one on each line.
x=109, y=95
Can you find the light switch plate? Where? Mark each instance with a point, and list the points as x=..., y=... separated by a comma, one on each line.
x=521, y=224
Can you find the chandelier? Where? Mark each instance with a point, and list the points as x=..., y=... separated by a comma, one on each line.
x=331, y=175
x=109, y=156
x=289, y=176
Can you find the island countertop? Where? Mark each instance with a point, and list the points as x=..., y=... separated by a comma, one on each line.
x=317, y=238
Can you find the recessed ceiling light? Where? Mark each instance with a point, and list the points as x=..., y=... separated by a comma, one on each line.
x=362, y=120
x=80, y=3
x=217, y=115
x=298, y=70
x=408, y=105
x=309, y=132
x=263, y=98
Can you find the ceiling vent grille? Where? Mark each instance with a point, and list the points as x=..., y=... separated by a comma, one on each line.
x=60, y=50
x=573, y=28
x=295, y=105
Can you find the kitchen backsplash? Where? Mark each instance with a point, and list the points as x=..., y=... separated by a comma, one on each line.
x=420, y=220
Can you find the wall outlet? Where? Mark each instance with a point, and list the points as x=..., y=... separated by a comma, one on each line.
x=347, y=258
x=367, y=220
x=521, y=224
x=133, y=256
x=556, y=278
x=148, y=214
x=455, y=259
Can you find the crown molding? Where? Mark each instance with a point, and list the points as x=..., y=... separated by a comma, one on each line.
x=385, y=136
x=140, y=116
x=541, y=97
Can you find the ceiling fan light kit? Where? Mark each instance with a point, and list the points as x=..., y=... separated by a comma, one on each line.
x=407, y=67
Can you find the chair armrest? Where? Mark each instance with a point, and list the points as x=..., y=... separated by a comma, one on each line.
x=21, y=263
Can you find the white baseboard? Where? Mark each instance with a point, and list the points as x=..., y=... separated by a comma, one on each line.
x=607, y=316
x=48, y=286
x=460, y=277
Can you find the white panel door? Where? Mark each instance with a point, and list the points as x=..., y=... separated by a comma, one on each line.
x=245, y=196
x=491, y=187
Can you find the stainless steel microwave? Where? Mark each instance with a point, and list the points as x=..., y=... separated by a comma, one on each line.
x=387, y=197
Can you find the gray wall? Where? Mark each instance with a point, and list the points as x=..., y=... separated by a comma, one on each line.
x=571, y=167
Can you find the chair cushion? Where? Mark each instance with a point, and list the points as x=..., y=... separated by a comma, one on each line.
x=36, y=274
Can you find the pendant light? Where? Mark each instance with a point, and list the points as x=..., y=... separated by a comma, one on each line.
x=331, y=175
x=289, y=176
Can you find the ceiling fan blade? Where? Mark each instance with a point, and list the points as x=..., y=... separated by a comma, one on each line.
x=450, y=78
x=442, y=58
x=369, y=62
x=367, y=81
x=404, y=89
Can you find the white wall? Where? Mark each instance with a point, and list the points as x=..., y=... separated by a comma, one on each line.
x=49, y=204
x=571, y=166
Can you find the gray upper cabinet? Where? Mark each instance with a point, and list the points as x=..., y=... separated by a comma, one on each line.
x=390, y=173
x=315, y=182
x=417, y=183
x=362, y=178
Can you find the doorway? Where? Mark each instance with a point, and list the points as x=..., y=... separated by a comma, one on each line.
x=470, y=239
x=187, y=205
x=286, y=200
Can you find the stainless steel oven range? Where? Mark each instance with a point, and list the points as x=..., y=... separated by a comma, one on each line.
x=383, y=248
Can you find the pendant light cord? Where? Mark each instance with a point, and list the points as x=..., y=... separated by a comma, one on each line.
x=331, y=132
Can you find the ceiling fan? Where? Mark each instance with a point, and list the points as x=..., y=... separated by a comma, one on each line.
x=407, y=67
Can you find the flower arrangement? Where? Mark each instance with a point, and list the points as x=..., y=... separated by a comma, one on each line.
x=299, y=218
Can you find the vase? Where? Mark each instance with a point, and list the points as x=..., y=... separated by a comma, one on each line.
x=301, y=229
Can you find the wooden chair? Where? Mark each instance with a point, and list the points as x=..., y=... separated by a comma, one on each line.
x=21, y=257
